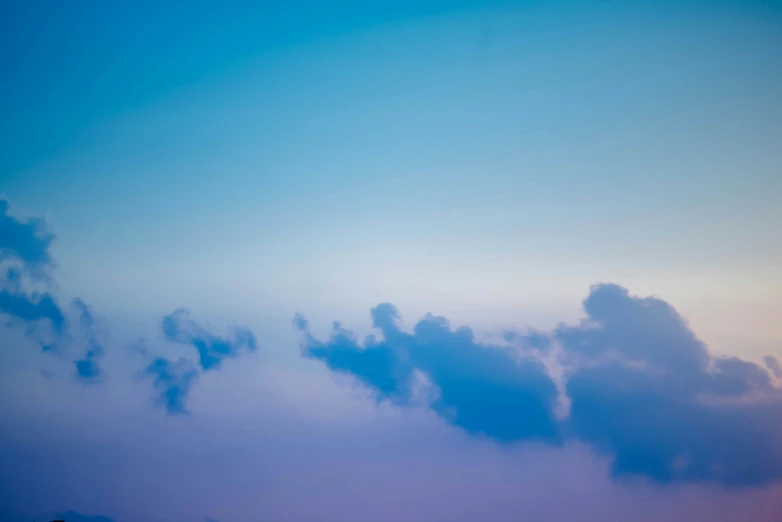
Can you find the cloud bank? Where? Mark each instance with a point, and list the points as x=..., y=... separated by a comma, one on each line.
x=638, y=384
x=641, y=388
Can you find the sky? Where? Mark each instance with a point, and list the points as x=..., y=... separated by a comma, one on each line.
x=434, y=260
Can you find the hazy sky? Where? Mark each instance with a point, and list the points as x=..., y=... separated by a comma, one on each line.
x=484, y=161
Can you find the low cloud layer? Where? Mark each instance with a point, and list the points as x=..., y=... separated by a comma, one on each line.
x=640, y=386
x=628, y=392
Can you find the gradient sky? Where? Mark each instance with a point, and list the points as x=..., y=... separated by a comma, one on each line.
x=484, y=161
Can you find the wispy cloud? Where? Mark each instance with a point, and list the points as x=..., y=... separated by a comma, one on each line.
x=26, y=241
x=33, y=308
x=172, y=381
x=27, y=262
x=88, y=367
x=178, y=327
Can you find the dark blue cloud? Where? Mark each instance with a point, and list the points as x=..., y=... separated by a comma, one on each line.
x=44, y=321
x=650, y=395
x=72, y=516
x=647, y=330
x=25, y=241
x=37, y=311
x=212, y=349
x=481, y=388
x=658, y=432
x=24, y=245
x=88, y=368
x=31, y=308
x=641, y=388
x=12, y=281
x=173, y=381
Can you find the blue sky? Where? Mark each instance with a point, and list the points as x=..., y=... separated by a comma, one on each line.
x=473, y=154
x=484, y=161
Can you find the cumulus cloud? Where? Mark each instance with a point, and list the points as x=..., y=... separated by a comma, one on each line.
x=481, y=388
x=642, y=388
x=650, y=394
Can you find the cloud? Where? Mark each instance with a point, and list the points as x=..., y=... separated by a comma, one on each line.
x=72, y=516
x=25, y=241
x=772, y=363
x=44, y=320
x=24, y=245
x=46, y=323
x=172, y=381
x=212, y=349
x=26, y=259
x=481, y=388
x=641, y=387
x=88, y=368
x=33, y=308
x=654, y=398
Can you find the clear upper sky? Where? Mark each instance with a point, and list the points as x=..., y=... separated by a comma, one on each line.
x=484, y=160
x=439, y=153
